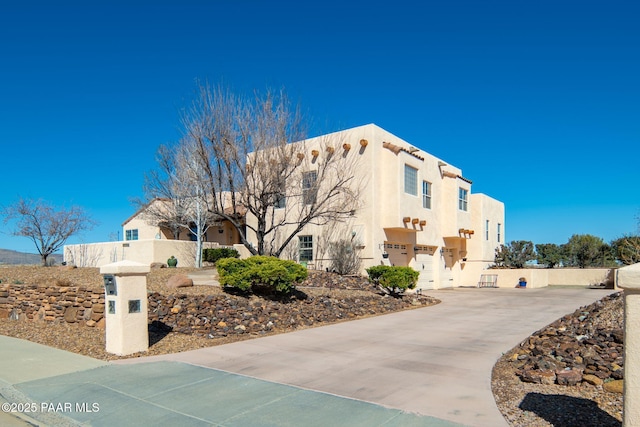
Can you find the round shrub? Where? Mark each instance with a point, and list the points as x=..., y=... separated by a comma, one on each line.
x=213, y=255
x=393, y=280
x=260, y=273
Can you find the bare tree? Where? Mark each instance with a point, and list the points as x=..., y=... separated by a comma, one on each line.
x=345, y=256
x=253, y=168
x=192, y=181
x=83, y=255
x=47, y=227
x=178, y=190
x=164, y=204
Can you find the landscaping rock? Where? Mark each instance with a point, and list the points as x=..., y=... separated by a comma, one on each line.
x=586, y=346
x=179, y=281
x=569, y=376
x=615, y=386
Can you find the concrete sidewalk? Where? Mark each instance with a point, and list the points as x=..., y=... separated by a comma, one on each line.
x=424, y=367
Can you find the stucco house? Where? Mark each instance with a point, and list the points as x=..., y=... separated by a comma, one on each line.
x=149, y=223
x=149, y=238
x=413, y=209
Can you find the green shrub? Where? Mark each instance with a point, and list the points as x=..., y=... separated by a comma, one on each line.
x=393, y=280
x=215, y=254
x=260, y=273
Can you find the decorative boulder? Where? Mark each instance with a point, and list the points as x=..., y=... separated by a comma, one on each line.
x=179, y=281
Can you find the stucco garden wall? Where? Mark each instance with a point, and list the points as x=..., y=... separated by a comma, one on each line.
x=143, y=251
x=541, y=277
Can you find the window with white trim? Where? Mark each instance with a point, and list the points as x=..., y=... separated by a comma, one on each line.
x=486, y=230
x=280, y=198
x=309, y=190
x=410, y=180
x=499, y=230
x=131, y=234
x=426, y=194
x=305, y=248
x=463, y=197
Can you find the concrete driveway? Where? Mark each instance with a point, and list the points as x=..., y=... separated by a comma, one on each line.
x=433, y=361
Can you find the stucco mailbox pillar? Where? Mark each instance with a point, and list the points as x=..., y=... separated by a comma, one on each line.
x=628, y=278
x=126, y=317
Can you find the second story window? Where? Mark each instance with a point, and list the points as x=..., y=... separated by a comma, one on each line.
x=410, y=180
x=280, y=201
x=426, y=195
x=280, y=197
x=131, y=234
x=499, y=230
x=463, y=196
x=486, y=230
x=309, y=189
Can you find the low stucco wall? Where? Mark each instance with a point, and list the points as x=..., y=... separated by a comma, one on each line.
x=142, y=251
x=541, y=277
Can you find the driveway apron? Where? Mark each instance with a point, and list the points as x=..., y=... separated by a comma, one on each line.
x=433, y=361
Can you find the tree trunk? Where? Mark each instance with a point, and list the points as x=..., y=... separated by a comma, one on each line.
x=43, y=257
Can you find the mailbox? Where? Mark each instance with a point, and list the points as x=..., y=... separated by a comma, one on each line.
x=126, y=307
x=110, y=285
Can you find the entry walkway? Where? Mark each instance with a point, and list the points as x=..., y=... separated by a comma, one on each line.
x=424, y=367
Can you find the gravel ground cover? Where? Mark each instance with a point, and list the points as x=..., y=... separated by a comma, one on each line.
x=523, y=404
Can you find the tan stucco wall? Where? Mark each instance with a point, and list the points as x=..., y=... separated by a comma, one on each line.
x=628, y=278
x=384, y=204
x=142, y=251
x=482, y=247
x=541, y=277
x=145, y=231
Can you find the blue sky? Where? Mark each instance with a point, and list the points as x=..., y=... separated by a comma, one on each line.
x=538, y=102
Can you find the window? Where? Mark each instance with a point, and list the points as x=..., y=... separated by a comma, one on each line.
x=280, y=194
x=280, y=199
x=309, y=190
x=486, y=230
x=306, y=248
x=499, y=230
x=410, y=180
x=426, y=195
x=463, y=195
x=131, y=234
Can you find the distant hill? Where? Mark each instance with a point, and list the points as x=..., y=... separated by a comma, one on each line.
x=8, y=256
